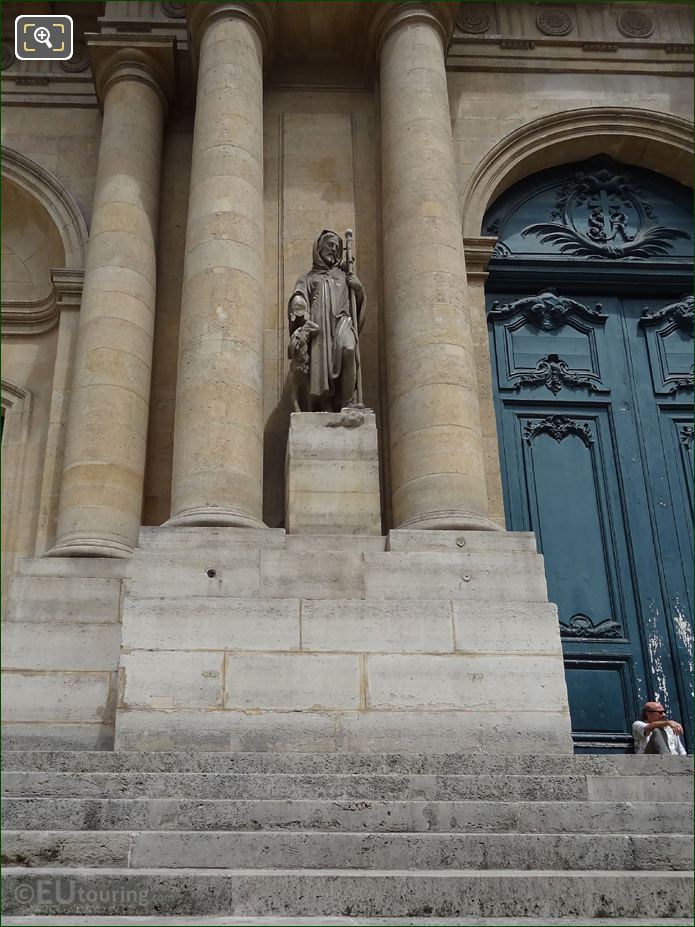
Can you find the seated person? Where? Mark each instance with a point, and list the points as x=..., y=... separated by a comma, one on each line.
x=656, y=733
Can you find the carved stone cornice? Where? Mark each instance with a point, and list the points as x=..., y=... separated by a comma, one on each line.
x=145, y=58
x=32, y=317
x=478, y=252
x=390, y=16
x=259, y=14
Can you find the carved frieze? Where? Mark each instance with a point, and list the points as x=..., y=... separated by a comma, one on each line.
x=174, y=10
x=78, y=62
x=555, y=373
x=557, y=427
x=604, y=214
x=583, y=627
x=474, y=18
x=635, y=24
x=547, y=310
x=554, y=21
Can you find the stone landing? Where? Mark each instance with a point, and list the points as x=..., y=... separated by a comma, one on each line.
x=226, y=639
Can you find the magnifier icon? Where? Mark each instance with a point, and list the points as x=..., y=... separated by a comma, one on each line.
x=42, y=35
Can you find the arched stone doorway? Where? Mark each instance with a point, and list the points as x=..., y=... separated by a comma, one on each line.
x=591, y=349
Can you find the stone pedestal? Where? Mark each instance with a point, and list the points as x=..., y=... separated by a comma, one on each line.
x=332, y=474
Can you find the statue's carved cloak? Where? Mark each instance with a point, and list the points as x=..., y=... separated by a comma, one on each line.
x=326, y=293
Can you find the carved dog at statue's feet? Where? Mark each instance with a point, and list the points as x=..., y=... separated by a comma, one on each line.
x=298, y=353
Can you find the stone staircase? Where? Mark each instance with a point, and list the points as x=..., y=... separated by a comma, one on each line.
x=340, y=834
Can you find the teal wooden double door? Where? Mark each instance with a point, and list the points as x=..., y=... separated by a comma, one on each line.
x=591, y=335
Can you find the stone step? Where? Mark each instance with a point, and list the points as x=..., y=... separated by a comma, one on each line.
x=227, y=539
x=318, y=850
x=364, y=763
x=170, y=814
x=409, y=787
x=466, y=575
x=360, y=893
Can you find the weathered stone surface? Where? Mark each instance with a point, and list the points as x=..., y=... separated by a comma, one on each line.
x=484, y=627
x=200, y=572
x=63, y=597
x=469, y=763
x=370, y=731
x=220, y=623
x=362, y=892
x=504, y=576
x=323, y=542
x=292, y=681
x=317, y=850
x=638, y=788
x=61, y=645
x=467, y=683
x=409, y=787
x=53, y=735
x=167, y=680
x=185, y=539
x=401, y=540
x=319, y=576
x=56, y=696
x=354, y=625
x=173, y=814
x=332, y=474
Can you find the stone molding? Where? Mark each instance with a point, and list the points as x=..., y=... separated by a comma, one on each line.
x=55, y=199
x=665, y=145
x=33, y=317
x=16, y=410
x=145, y=58
x=478, y=252
x=572, y=37
x=570, y=22
x=259, y=14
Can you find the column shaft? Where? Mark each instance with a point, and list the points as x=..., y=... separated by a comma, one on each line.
x=102, y=483
x=218, y=436
x=435, y=432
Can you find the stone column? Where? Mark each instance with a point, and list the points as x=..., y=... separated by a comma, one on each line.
x=102, y=482
x=218, y=434
x=437, y=460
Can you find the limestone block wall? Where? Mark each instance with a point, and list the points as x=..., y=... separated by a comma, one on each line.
x=60, y=649
x=31, y=245
x=244, y=639
x=488, y=106
x=64, y=140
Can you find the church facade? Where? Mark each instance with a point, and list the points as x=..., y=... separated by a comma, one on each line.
x=518, y=179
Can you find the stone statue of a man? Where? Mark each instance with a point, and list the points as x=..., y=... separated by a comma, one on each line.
x=326, y=313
